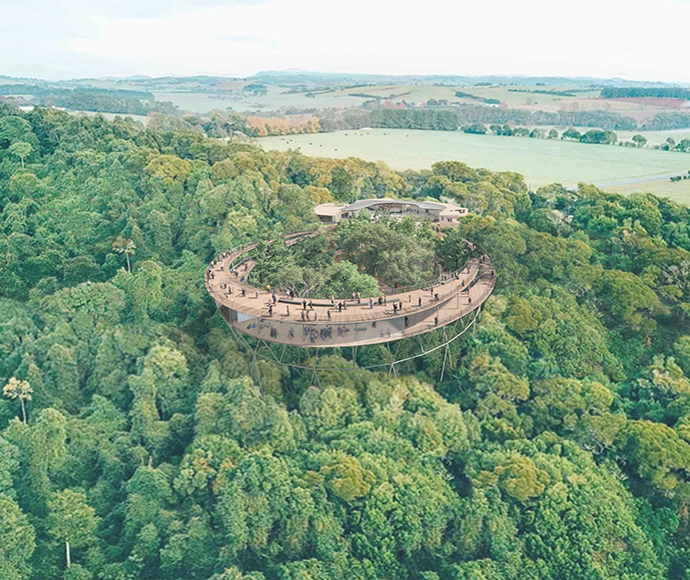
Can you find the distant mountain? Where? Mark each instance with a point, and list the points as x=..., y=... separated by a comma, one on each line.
x=202, y=83
x=324, y=78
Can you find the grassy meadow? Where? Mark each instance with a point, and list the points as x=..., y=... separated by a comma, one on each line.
x=540, y=161
x=678, y=190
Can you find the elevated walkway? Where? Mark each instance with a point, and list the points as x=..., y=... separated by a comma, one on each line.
x=246, y=308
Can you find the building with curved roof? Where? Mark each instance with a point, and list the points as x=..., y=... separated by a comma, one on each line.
x=445, y=214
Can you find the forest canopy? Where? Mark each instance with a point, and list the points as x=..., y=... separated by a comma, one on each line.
x=136, y=438
x=360, y=255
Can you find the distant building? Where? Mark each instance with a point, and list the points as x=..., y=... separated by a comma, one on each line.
x=445, y=214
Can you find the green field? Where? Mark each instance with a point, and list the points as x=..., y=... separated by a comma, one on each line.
x=519, y=99
x=278, y=97
x=678, y=190
x=540, y=161
x=654, y=137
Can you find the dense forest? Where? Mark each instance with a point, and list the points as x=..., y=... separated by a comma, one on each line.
x=120, y=101
x=48, y=90
x=134, y=443
x=106, y=103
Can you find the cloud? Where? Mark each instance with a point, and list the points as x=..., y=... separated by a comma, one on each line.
x=254, y=40
x=119, y=8
x=590, y=38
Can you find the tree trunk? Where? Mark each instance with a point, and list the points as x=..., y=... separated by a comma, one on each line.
x=67, y=554
x=129, y=266
x=23, y=410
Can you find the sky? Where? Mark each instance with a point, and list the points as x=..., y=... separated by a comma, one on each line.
x=59, y=39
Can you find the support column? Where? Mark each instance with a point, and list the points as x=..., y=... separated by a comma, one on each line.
x=314, y=373
x=443, y=368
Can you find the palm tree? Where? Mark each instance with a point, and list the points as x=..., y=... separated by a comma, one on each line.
x=125, y=246
x=16, y=389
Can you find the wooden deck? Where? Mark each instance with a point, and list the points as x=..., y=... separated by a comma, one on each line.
x=246, y=307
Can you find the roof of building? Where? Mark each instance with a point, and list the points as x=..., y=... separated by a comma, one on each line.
x=328, y=209
x=360, y=204
x=364, y=203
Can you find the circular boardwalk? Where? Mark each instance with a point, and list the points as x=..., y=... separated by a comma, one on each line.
x=275, y=317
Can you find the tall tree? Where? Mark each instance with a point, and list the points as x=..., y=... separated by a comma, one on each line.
x=125, y=246
x=71, y=520
x=16, y=389
x=21, y=149
x=17, y=541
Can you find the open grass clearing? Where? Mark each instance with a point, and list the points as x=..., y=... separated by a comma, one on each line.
x=677, y=190
x=540, y=161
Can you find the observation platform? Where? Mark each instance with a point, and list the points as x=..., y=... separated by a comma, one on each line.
x=324, y=324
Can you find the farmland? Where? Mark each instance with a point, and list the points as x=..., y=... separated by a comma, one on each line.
x=533, y=98
x=275, y=98
x=540, y=161
x=278, y=97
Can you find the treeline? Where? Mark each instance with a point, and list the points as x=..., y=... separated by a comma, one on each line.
x=670, y=145
x=137, y=438
x=41, y=91
x=432, y=119
x=593, y=136
x=335, y=119
x=446, y=118
x=466, y=115
x=667, y=121
x=488, y=101
x=262, y=126
x=554, y=92
x=645, y=92
x=219, y=123
x=452, y=118
x=599, y=119
x=310, y=120
x=101, y=103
